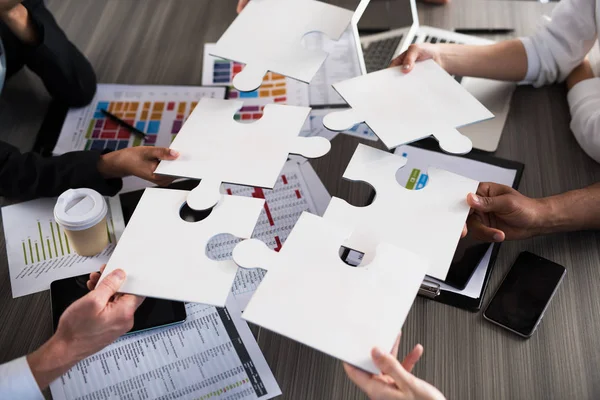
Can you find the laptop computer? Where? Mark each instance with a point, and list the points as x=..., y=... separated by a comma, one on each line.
x=376, y=51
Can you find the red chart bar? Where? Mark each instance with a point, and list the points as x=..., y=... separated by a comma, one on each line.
x=278, y=243
x=298, y=195
x=284, y=179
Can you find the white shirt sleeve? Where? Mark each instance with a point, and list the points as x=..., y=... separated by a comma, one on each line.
x=17, y=381
x=562, y=43
x=584, y=101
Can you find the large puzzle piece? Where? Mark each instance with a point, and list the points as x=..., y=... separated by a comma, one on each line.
x=429, y=221
x=165, y=256
x=267, y=36
x=310, y=295
x=402, y=108
x=217, y=149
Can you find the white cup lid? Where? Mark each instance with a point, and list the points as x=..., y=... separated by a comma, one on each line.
x=79, y=209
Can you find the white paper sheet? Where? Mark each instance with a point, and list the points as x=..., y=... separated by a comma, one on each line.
x=158, y=111
x=211, y=355
x=298, y=189
x=38, y=250
x=414, y=176
x=341, y=64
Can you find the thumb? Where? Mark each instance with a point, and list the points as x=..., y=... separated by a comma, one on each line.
x=498, y=204
x=410, y=57
x=163, y=153
x=109, y=286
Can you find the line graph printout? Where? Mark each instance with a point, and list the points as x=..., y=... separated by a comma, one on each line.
x=38, y=249
x=158, y=111
x=291, y=196
x=212, y=355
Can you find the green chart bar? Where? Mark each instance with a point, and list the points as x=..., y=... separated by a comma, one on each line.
x=108, y=233
x=67, y=243
x=49, y=248
x=53, y=240
x=42, y=240
x=37, y=252
x=24, y=252
x=62, y=250
x=30, y=251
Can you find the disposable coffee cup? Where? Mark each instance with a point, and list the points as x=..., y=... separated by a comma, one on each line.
x=82, y=215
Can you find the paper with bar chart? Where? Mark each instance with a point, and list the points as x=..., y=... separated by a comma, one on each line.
x=38, y=249
x=275, y=88
x=297, y=190
x=158, y=111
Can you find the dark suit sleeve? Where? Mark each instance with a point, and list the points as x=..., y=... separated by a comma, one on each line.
x=30, y=175
x=66, y=73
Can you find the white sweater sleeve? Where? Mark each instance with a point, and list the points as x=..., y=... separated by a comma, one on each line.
x=584, y=101
x=17, y=381
x=561, y=44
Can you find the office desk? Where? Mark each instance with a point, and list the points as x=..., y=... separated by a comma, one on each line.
x=161, y=42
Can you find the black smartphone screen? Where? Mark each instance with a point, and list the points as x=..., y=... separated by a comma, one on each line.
x=526, y=291
x=153, y=313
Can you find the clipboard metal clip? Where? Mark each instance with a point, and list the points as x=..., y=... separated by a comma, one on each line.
x=429, y=289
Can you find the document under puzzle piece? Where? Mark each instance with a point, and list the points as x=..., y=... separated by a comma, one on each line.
x=267, y=36
x=402, y=108
x=217, y=149
x=310, y=295
x=428, y=221
x=165, y=256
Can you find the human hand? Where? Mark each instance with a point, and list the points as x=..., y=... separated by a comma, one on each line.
x=139, y=161
x=501, y=213
x=417, y=52
x=86, y=327
x=396, y=382
x=580, y=73
x=241, y=5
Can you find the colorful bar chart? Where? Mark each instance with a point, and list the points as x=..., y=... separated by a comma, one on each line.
x=52, y=242
x=147, y=116
x=417, y=180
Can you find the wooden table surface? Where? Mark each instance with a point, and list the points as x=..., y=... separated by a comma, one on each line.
x=161, y=42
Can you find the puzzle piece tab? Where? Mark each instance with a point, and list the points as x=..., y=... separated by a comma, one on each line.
x=310, y=295
x=267, y=36
x=217, y=149
x=429, y=221
x=402, y=108
x=165, y=256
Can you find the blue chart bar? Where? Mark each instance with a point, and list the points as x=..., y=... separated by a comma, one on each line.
x=422, y=181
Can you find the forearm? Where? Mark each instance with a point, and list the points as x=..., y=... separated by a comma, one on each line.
x=575, y=210
x=18, y=21
x=50, y=361
x=505, y=60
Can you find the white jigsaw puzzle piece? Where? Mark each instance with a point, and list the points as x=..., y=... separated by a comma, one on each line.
x=217, y=149
x=310, y=295
x=402, y=108
x=429, y=221
x=267, y=36
x=165, y=256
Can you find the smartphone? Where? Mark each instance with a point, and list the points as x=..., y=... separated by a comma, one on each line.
x=525, y=293
x=153, y=313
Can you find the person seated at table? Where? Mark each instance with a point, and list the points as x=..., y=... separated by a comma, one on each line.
x=556, y=53
x=501, y=213
x=243, y=3
x=30, y=36
x=86, y=327
x=396, y=382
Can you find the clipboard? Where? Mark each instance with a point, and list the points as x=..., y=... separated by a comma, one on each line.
x=432, y=290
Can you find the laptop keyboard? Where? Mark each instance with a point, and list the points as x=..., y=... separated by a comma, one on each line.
x=379, y=54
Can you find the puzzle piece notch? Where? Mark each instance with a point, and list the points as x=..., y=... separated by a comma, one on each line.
x=310, y=295
x=267, y=36
x=427, y=221
x=217, y=149
x=437, y=104
x=159, y=250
